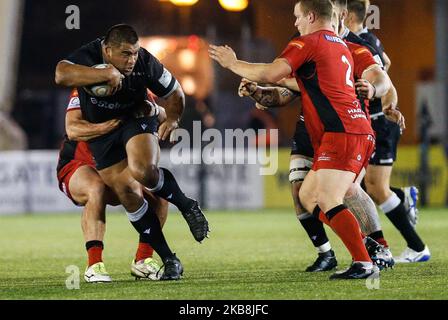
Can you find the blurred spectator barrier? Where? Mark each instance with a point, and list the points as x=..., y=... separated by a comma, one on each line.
x=28, y=183
x=406, y=172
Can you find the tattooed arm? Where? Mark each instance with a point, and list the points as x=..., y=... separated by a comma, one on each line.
x=266, y=97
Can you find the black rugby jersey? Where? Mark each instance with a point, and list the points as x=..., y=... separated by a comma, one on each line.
x=148, y=73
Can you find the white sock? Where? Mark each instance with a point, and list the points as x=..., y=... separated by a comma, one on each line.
x=390, y=204
x=324, y=248
x=159, y=185
x=136, y=216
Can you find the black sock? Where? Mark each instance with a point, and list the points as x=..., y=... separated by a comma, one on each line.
x=150, y=232
x=399, y=219
x=315, y=230
x=398, y=192
x=171, y=191
x=93, y=244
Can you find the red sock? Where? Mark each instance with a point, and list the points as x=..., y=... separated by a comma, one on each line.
x=345, y=225
x=144, y=251
x=95, y=255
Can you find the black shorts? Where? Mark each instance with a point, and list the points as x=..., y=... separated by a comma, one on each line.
x=301, y=142
x=110, y=149
x=387, y=137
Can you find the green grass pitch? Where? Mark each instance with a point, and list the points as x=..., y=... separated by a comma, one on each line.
x=250, y=255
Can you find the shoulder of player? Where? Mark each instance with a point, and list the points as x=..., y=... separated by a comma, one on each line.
x=94, y=46
x=356, y=49
x=302, y=41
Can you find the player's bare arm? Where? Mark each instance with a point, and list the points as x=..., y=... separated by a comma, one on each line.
x=79, y=129
x=266, y=97
x=390, y=109
x=258, y=72
x=375, y=83
x=75, y=75
x=387, y=62
x=174, y=110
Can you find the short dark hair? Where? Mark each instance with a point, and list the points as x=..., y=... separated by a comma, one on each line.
x=359, y=8
x=121, y=33
x=322, y=8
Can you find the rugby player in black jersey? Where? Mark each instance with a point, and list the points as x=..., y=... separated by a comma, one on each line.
x=399, y=205
x=128, y=156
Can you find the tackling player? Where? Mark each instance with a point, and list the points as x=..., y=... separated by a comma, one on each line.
x=398, y=205
x=128, y=156
x=81, y=183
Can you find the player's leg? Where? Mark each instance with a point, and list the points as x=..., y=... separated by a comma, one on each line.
x=409, y=197
x=339, y=159
x=331, y=186
x=377, y=184
x=87, y=189
x=141, y=215
x=364, y=209
x=143, y=155
x=144, y=266
x=326, y=260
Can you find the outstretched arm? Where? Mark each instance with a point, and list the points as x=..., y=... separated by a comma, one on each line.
x=258, y=72
x=267, y=97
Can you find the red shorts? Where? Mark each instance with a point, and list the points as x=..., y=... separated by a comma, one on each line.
x=343, y=151
x=66, y=173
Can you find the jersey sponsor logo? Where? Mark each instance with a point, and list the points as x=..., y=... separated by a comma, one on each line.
x=166, y=78
x=110, y=105
x=298, y=44
x=357, y=113
x=335, y=39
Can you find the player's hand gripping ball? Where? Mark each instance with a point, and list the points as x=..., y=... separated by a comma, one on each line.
x=101, y=89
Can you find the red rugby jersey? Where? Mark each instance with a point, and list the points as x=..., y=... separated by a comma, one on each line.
x=323, y=66
x=362, y=59
x=73, y=150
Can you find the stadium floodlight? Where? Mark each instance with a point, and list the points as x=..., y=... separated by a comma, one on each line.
x=184, y=2
x=234, y=5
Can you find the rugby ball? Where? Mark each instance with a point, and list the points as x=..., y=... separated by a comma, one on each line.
x=100, y=89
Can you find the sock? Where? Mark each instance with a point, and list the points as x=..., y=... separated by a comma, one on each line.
x=345, y=225
x=94, y=252
x=398, y=192
x=147, y=224
x=316, y=232
x=144, y=250
x=396, y=212
x=168, y=189
x=379, y=237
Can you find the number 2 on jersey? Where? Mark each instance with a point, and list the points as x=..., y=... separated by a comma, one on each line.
x=349, y=71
